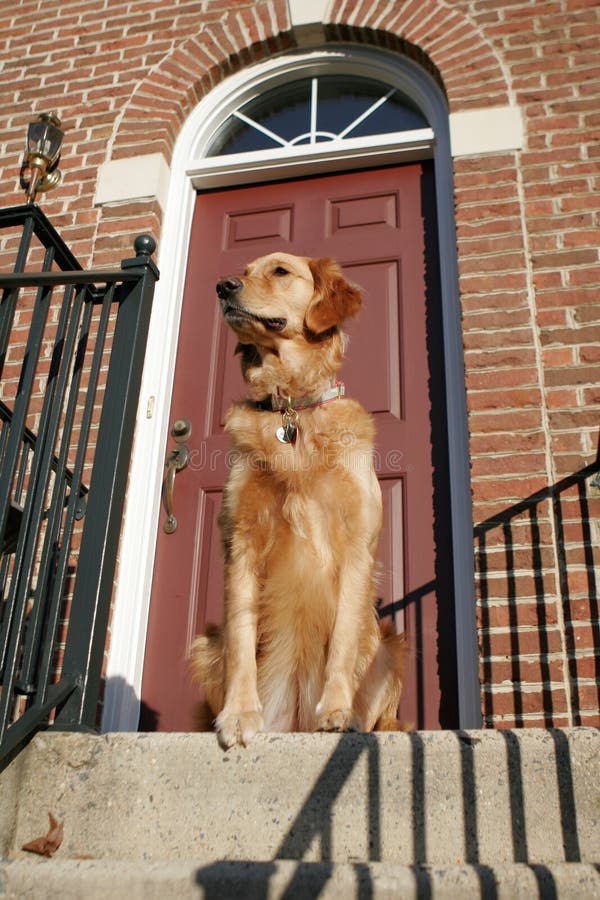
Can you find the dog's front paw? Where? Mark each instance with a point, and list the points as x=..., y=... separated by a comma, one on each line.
x=238, y=728
x=335, y=719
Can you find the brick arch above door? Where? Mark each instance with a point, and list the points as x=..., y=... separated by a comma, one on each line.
x=444, y=42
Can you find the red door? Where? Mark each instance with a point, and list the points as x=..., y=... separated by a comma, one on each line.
x=375, y=223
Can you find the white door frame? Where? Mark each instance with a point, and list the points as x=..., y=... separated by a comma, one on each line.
x=190, y=170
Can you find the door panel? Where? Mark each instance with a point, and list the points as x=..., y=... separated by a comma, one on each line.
x=373, y=223
x=378, y=386
x=391, y=545
x=207, y=574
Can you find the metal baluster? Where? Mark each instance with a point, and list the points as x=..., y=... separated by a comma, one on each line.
x=17, y=595
x=49, y=425
x=73, y=502
x=8, y=611
x=53, y=581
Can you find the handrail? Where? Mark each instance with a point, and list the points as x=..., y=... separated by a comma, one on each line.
x=64, y=277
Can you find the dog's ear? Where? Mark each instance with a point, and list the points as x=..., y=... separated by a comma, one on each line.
x=334, y=300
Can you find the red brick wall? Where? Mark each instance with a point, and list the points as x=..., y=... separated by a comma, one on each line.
x=125, y=75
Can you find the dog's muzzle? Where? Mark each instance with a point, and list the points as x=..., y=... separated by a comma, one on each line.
x=228, y=290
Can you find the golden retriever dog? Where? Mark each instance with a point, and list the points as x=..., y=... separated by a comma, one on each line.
x=301, y=648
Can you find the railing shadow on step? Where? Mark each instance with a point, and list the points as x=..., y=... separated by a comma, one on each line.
x=314, y=821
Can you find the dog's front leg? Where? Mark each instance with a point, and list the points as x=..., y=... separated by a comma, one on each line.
x=241, y=716
x=335, y=708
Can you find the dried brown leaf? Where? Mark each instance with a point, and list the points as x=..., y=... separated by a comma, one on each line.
x=50, y=842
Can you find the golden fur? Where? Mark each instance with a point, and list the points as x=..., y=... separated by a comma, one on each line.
x=300, y=648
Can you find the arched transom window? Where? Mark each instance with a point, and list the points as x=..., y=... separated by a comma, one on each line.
x=315, y=110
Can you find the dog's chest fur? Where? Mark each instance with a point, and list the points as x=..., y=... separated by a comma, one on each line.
x=306, y=488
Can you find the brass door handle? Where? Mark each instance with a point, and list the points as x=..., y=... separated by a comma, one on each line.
x=177, y=460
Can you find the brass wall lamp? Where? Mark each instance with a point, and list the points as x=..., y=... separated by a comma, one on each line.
x=39, y=171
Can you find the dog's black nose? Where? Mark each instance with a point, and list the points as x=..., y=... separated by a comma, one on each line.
x=227, y=287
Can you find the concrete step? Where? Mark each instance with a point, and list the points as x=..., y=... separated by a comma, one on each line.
x=467, y=806
x=289, y=880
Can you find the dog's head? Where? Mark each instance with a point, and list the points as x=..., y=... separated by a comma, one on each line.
x=289, y=309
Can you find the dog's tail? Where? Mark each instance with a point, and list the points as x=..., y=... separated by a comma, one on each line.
x=207, y=666
x=379, y=694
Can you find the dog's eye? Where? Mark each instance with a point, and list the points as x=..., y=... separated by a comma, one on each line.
x=280, y=271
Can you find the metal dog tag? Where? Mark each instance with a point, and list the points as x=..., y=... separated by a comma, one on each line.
x=286, y=434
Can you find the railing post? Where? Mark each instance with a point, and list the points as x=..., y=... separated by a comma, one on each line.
x=97, y=556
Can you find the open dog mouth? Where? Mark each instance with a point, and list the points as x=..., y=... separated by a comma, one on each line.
x=235, y=313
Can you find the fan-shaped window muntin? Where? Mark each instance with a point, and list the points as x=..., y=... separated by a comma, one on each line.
x=310, y=111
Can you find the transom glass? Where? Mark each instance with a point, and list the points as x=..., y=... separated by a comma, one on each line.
x=315, y=110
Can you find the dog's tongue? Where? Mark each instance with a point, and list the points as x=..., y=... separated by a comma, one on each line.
x=275, y=324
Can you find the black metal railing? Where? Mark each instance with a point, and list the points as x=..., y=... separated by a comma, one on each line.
x=538, y=587
x=72, y=346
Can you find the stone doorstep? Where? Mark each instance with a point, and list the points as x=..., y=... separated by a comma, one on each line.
x=437, y=798
x=127, y=880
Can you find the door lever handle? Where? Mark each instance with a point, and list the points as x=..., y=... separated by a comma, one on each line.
x=177, y=460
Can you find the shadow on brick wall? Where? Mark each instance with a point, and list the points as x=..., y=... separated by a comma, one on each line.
x=538, y=596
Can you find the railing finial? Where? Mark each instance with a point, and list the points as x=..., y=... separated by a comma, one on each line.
x=144, y=245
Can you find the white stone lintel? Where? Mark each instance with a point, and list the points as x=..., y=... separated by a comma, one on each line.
x=491, y=130
x=133, y=178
